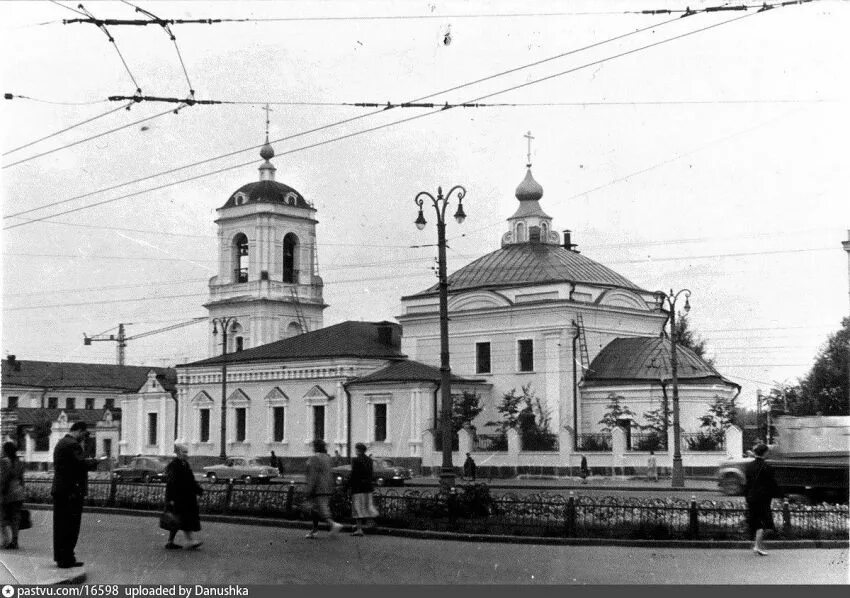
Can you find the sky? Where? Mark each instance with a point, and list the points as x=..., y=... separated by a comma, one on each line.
x=705, y=152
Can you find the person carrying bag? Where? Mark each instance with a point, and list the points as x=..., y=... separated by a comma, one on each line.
x=12, y=489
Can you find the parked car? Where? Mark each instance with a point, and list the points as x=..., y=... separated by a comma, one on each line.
x=384, y=473
x=240, y=468
x=143, y=469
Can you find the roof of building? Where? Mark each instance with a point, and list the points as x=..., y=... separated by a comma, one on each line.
x=269, y=191
x=30, y=416
x=410, y=371
x=367, y=340
x=647, y=358
x=531, y=263
x=94, y=376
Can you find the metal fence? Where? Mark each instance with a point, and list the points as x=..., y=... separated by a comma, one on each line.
x=490, y=443
x=702, y=441
x=472, y=509
x=648, y=441
x=539, y=442
x=600, y=442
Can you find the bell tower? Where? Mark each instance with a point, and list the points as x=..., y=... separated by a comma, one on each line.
x=268, y=280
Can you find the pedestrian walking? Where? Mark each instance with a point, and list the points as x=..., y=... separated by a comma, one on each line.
x=12, y=492
x=362, y=506
x=274, y=461
x=181, y=498
x=760, y=489
x=469, y=468
x=70, y=485
x=652, y=467
x=320, y=486
x=583, y=470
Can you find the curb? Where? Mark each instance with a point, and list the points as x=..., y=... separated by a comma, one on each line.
x=490, y=538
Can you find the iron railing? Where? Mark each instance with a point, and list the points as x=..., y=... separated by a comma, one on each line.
x=599, y=442
x=538, y=442
x=703, y=441
x=472, y=509
x=490, y=443
x=648, y=441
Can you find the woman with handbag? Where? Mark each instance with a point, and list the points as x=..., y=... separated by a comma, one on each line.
x=12, y=490
x=181, y=500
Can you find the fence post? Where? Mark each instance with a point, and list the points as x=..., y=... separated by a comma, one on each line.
x=571, y=515
x=786, y=518
x=693, y=527
x=451, y=502
x=228, y=493
x=113, y=487
x=290, y=496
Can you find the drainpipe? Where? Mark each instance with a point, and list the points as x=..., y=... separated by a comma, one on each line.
x=572, y=290
x=347, y=421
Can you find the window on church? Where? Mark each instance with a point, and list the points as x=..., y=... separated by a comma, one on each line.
x=380, y=431
x=239, y=343
x=520, y=232
x=277, y=416
x=290, y=246
x=109, y=403
x=534, y=234
x=241, y=413
x=152, y=428
x=89, y=403
x=482, y=358
x=318, y=422
x=204, y=435
x=526, y=355
x=70, y=403
x=53, y=402
x=12, y=403
x=240, y=258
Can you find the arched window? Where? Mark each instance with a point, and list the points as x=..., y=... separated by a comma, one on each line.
x=544, y=232
x=240, y=258
x=294, y=329
x=520, y=232
x=290, y=249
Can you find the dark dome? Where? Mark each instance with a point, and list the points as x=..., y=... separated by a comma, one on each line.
x=268, y=192
x=532, y=263
x=646, y=358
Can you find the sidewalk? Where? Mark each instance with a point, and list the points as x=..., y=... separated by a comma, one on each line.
x=27, y=567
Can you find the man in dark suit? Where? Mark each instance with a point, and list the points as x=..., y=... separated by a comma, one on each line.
x=70, y=485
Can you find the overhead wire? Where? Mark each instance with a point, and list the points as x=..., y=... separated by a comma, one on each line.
x=323, y=127
x=111, y=39
x=12, y=96
x=92, y=137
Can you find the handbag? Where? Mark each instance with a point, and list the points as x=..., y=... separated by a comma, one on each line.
x=169, y=521
x=25, y=520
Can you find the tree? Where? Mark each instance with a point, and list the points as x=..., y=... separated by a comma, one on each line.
x=614, y=412
x=529, y=416
x=825, y=390
x=686, y=337
x=657, y=420
x=721, y=414
x=465, y=408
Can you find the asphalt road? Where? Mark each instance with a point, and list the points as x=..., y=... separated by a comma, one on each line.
x=126, y=549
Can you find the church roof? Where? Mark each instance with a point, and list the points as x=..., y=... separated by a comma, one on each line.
x=269, y=191
x=531, y=263
x=366, y=340
x=647, y=358
x=409, y=371
x=58, y=374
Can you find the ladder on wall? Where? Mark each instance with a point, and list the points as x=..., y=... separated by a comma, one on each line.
x=299, y=313
x=582, y=343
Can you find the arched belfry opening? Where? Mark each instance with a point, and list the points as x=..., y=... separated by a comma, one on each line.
x=290, y=258
x=240, y=258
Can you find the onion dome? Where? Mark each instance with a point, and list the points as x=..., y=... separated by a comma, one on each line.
x=529, y=189
x=267, y=153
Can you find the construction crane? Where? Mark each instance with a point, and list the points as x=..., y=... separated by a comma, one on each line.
x=122, y=339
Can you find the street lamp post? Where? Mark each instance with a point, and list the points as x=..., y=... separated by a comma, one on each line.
x=223, y=323
x=447, y=474
x=678, y=475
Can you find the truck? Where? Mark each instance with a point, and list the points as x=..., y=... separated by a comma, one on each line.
x=810, y=458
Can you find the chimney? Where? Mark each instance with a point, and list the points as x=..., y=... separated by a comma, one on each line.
x=389, y=334
x=568, y=244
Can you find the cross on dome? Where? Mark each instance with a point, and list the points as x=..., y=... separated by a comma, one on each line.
x=529, y=137
x=267, y=169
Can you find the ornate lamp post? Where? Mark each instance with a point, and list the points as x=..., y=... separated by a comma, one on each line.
x=447, y=474
x=224, y=323
x=678, y=475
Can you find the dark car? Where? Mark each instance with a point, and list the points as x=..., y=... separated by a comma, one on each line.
x=143, y=469
x=384, y=473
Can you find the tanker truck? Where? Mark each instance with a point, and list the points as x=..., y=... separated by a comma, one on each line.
x=810, y=458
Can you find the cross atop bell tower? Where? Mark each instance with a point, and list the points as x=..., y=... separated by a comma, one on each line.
x=529, y=138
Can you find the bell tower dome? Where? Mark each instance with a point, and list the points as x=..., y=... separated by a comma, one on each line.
x=268, y=276
x=529, y=224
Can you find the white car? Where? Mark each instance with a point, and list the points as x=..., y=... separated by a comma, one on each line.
x=240, y=468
